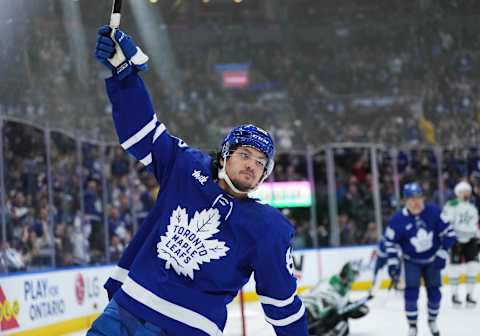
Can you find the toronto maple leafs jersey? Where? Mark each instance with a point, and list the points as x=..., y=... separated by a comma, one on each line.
x=198, y=246
x=419, y=236
x=463, y=216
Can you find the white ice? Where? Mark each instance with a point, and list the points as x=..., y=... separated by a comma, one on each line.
x=386, y=318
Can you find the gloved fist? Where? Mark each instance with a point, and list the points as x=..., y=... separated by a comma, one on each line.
x=394, y=271
x=120, y=54
x=440, y=260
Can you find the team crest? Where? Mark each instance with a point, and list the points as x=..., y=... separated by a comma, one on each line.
x=187, y=243
x=423, y=241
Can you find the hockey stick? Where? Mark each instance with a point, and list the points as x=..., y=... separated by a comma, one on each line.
x=116, y=14
x=115, y=17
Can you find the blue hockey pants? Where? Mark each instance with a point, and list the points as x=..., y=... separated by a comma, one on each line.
x=117, y=321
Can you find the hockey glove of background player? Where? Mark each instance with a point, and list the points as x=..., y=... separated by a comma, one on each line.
x=440, y=260
x=130, y=57
x=394, y=270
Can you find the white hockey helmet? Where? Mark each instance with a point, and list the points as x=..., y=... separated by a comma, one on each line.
x=462, y=187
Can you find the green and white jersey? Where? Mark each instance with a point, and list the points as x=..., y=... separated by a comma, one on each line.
x=463, y=216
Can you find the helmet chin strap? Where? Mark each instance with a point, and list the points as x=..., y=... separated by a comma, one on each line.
x=222, y=174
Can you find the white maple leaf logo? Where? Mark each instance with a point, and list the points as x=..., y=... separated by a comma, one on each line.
x=423, y=241
x=186, y=244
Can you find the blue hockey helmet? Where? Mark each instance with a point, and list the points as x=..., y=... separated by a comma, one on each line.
x=412, y=189
x=252, y=136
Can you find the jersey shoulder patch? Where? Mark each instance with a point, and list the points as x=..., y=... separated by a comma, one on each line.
x=389, y=233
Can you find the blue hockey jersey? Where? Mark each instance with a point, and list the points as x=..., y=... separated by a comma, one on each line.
x=420, y=236
x=198, y=246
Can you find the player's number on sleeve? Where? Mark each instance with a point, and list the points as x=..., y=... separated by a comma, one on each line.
x=289, y=260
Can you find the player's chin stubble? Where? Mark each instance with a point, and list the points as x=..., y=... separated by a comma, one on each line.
x=242, y=185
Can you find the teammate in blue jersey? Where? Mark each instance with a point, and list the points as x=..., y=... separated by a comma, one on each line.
x=424, y=239
x=204, y=237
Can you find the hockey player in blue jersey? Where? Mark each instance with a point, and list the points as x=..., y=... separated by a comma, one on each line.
x=204, y=237
x=424, y=239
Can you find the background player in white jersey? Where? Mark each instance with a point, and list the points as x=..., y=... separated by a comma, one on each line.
x=205, y=236
x=424, y=239
x=463, y=215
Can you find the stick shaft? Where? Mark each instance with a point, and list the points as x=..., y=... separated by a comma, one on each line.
x=115, y=16
x=117, y=6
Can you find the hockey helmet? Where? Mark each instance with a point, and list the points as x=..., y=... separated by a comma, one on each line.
x=462, y=187
x=412, y=189
x=252, y=136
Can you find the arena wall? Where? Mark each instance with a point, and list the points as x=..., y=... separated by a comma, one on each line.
x=62, y=301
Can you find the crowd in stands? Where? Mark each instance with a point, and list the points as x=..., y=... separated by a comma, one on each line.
x=97, y=196
x=383, y=76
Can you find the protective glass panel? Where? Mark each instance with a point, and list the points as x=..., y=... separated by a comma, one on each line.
x=93, y=220
x=321, y=196
x=354, y=194
x=120, y=209
x=388, y=183
x=290, y=191
x=29, y=234
x=67, y=220
x=420, y=165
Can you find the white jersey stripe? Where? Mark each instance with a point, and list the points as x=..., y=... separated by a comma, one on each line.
x=276, y=302
x=160, y=129
x=140, y=134
x=288, y=320
x=170, y=309
x=147, y=160
x=445, y=231
x=119, y=274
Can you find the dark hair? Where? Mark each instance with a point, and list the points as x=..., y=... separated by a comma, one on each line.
x=216, y=157
x=216, y=165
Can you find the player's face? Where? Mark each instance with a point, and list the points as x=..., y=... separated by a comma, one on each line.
x=465, y=196
x=415, y=204
x=245, y=167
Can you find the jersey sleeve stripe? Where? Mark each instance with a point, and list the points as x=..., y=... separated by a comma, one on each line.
x=119, y=274
x=276, y=302
x=146, y=160
x=170, y=309
x=159, y=131
x=288, y=320
x=446, y=230
x=140, y=134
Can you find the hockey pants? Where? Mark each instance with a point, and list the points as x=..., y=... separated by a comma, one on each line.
x=432, y=278
x=117, y=321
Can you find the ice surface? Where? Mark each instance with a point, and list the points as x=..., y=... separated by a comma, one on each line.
x=386, y=317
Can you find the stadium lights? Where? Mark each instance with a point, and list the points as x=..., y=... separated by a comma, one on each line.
x=153, y=1
x=237, y=1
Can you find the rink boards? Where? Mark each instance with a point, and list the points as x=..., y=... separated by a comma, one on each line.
x=51, y=303
x=62, y=301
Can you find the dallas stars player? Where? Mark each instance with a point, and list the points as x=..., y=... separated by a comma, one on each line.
x=463, y=216
x=329, y=308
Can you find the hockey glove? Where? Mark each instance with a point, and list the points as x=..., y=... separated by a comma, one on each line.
x=394, y=270
x=121, y=56
x=440, y=260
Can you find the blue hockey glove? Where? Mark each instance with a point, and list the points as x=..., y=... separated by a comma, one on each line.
x=440, y=260
x=121, y=55
x=394, y=270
